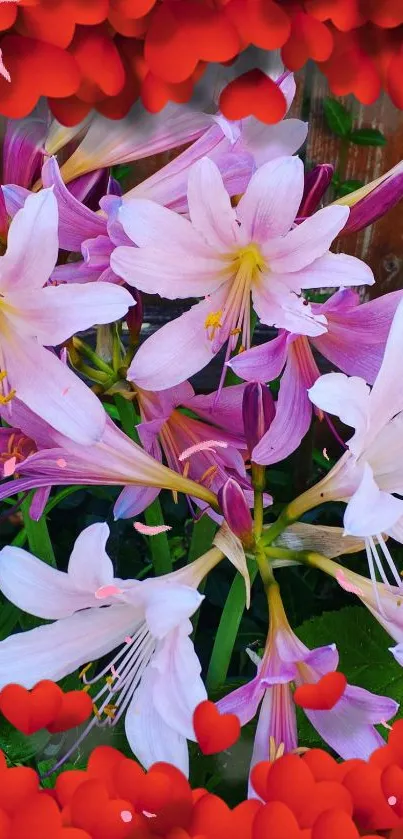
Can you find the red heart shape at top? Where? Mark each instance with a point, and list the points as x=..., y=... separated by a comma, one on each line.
x=31, y=710
x=322, y=695
x=254, y=94
x=75, y=708
x=214, y=731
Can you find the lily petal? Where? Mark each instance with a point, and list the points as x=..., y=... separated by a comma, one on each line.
x=149, y=736
x=89, y=566
x=232, y=548
x=70, y=406
x=28, y=657
x=371, y=511
x=55, y=313
x=270, y=203
x=25, y=266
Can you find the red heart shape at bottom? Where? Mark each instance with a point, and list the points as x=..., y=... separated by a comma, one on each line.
x=214, y=731
x=322, y=695
x=254, y=94
x=75, y=708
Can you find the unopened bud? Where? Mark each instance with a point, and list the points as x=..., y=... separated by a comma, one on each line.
x=258, y=412
x=134, y=317
x=316, y=184
x=236, y=511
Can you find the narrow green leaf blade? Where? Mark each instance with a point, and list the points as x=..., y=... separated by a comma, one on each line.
x=38, y=535
x=227, y=630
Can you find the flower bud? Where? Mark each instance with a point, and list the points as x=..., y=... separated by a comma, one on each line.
x=316, y=184
x=258, y=412
x=236, y=511
x=373, y=200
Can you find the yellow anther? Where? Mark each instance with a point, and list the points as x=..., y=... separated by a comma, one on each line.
x=213, y=322
x=109, y=680
x=110, y=711
x=86, y=688
x=96, y=712
x=236, y=331
x=85, y=670
x=208, y=475
x=275, y=751
x=241, y=349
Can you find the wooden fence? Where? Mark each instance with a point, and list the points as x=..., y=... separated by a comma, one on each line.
x=381, y=245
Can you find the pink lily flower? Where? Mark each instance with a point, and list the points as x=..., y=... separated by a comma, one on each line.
x=227, y=255
x=113, y=460
x=33, y=318
x=207, y=452
x=347, y=343
x=348, y=727
x=153, y=679
x=369, y=475
x=236, y=147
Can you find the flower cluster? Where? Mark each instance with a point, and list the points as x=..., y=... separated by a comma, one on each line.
x=106, y=54
x=92, y=397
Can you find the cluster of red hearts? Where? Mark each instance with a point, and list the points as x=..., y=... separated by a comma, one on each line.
x=45, y=706
x=107, y=54
x=304, y=796
x=299, y=797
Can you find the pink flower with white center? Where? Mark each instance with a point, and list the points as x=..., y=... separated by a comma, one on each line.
x=154, y=678
x=229, y=255
x=33, y=318
x=349, y=727
x=370, y=474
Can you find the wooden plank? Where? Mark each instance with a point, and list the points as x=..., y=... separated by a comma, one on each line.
x=381, y=245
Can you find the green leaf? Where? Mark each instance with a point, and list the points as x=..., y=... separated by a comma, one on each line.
x=348, y=186
x=9, y=617
x=367, y=137
x=37, y=533
x=227, y=632
x=17, y=747
x=337, y=117
x=120, y=171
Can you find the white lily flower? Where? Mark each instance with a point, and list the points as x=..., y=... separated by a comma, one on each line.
x=154, y=678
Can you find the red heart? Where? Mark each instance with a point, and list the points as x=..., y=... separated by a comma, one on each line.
x=254, y=94
x=322, y=695
x=214, y=731
x=75, y=708
x=92, y=810
x=29, y=711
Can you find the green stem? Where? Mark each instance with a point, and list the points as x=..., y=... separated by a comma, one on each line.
x=98, y=362
x=37, y=534
x=201, y=541
x=227, y=630
x=258, y=514
x=159, y=545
